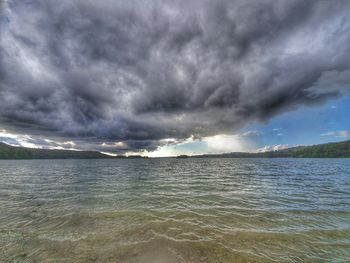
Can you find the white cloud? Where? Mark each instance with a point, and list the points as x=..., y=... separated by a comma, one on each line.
x=27, y=141
x=163, y=151
x=227, y=143
x=116, y=144
x=269, y=148
x=17, y=140
x=169, y=148
x=221, y=143
x=341, y=134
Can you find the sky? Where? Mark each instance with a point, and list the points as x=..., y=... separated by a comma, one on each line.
x=162, y=78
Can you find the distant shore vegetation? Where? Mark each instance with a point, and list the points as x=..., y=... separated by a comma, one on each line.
x=328, y=150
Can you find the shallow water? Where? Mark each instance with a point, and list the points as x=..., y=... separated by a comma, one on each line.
x=175, y=210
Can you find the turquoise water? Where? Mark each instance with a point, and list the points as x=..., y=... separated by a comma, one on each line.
x=175, y=210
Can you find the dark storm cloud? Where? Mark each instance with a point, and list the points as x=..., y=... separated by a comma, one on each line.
x=140, y=71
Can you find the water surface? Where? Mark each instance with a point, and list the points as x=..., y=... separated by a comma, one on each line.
x=175, y=210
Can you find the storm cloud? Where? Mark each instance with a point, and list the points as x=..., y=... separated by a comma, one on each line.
x=139, y=72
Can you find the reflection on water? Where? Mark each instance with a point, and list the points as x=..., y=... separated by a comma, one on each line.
x=175, y=210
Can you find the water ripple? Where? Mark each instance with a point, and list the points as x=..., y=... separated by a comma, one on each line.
x=175, y=210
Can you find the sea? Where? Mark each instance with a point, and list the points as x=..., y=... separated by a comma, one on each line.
x=168, y=210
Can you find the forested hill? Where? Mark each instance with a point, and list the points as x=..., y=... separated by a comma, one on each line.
x=12, y=152
x=328, y=150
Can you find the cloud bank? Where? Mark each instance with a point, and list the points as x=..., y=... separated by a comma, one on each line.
x=131, y=74
x=340, y=134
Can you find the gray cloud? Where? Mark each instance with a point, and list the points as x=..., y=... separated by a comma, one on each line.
x=142, y=71
x=252, y=134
